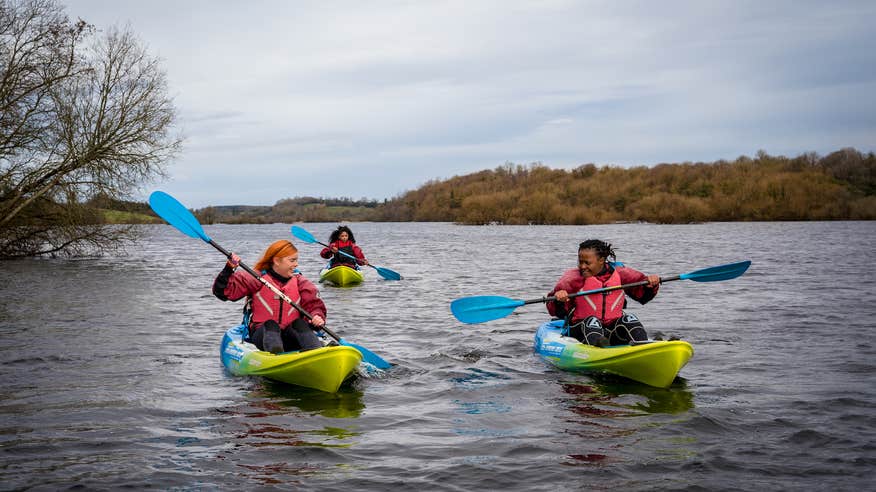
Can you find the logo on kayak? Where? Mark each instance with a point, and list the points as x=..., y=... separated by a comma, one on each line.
x=554, y=349
x=233, y=352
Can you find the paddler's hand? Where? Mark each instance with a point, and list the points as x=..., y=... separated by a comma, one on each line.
x=233, y=262
x=561, y=295
x=335, y=249
x=364, y=262
x=317, y=320
x=653, y=281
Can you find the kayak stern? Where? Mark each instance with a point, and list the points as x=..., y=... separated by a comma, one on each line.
x=656, y=363
x=324, y=369
x=341, y=276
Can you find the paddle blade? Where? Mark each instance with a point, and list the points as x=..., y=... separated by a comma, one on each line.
x=387, y=273
x=177, y=215
x=716, y=273
x=367, y=355
x=303, y=235
x=479, y=309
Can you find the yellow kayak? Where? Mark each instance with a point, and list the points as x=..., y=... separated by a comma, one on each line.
x=324, y=369
x=655, y=363
x=341, y=275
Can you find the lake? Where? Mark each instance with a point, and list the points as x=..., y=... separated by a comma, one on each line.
x=111, y=375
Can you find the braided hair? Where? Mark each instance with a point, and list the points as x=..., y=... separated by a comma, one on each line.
x=337, y=233
x=602, y=248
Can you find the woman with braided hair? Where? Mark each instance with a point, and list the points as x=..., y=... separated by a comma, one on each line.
x=343, y=250
x=598, y=319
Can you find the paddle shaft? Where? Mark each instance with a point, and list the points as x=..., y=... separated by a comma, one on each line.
x=274, y=289
x=478, y=309
x=604, y=289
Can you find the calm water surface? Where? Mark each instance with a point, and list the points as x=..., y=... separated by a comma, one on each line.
x=110, y=375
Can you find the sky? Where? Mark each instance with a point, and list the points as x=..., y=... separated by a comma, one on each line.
x=279, y=99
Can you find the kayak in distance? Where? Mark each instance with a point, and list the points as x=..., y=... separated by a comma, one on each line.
x=341, y=276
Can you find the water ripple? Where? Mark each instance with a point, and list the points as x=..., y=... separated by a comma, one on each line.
x=111, y=375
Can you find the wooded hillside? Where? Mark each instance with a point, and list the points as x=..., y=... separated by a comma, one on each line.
x=808, y=187
x=838, y=186
x=300, y=209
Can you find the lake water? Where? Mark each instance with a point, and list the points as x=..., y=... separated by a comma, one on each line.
x=110, y=375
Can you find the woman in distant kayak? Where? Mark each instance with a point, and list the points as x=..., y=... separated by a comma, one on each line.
x=342, y=241
x=599, y=319
x=274, y=325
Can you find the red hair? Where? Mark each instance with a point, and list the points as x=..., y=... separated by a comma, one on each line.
x=277, y=248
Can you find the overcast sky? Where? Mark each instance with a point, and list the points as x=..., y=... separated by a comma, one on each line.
x=357, y=99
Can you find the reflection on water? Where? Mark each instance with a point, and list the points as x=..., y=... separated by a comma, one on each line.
x=483, y=404
x=608, y=410
x=346, y=403
x=607, y=395
x=479, y=407
x=278, y=474
x=128, y=350
x=477, y=377
x=278, y=434
x=259, y=434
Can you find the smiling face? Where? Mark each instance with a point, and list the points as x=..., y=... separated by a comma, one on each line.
x=285, y=265
x=589, y=262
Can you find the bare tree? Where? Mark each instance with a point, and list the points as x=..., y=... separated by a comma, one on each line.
x=81, y=115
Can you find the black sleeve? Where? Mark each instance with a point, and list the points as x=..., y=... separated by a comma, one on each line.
x=647, y=294
x=559, y=309
x=221, y=282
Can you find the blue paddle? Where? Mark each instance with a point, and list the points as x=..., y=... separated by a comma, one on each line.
x=307, y=237
x=177, y=215
x=479, y=309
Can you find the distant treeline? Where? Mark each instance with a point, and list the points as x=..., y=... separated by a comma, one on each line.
x=838, y=186
x=808, y=187
x=300, y=209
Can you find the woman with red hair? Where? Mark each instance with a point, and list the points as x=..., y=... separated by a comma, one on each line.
x=274, y=325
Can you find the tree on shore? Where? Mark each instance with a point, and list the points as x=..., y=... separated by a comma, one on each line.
x=82, y=114
x=839, y=186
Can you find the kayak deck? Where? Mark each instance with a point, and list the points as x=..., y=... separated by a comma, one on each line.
x=341, y=275
x=324, y=369
x=656, y=363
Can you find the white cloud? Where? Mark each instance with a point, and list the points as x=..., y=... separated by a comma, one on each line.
x=374, y=98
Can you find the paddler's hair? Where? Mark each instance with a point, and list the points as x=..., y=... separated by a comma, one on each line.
x=602, y=248
x=337, y=233
x=281, y=247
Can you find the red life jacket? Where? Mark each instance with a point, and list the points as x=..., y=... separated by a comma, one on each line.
x=340, y=258
x=607, y=306
x=267, y=305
